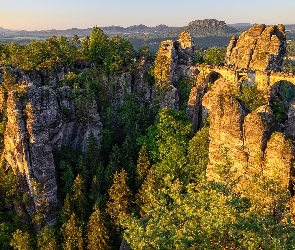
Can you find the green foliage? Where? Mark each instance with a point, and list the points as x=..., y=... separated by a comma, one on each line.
x=144, y=51
x=46, y=240
x=215, y=56
x=97, y=236
x=251, y=96
x=143, y=164
x=21, y=240
x=72, y=234
x=289, y=64
x=92, y=156
x=278, y=109
x=65, y=111
x=184, y=87
x=198, y=154
x=6, y=230
x=120, y=55
x=150, y=76
x=206, y=217
x=174, y=132
x=69, y=165
x=120, y=196
x=199, y=56
x=115, y=164
x=67, y=176
x=79, y=200
x=284, y=96
x=98, y=46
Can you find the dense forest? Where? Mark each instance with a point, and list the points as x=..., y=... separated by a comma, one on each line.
x=145, y=183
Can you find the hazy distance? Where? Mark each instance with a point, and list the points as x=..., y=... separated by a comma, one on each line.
x=64, y=14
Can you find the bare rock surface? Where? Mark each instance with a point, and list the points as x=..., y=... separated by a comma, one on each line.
x=36, y=124
x=259, y=48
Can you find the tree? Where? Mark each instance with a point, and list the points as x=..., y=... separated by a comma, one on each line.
x=115, y=164
x=92, y=155
x=120, y=196
x=66, y=210
x=46, y=240
x=72, y=234
x=143, y=164
x=120, y=55
x=198, y=154
x=78, y=198
x=98, y=46
x=67, y=176
x=97, y=236
x=215, y=56
x=21, y=240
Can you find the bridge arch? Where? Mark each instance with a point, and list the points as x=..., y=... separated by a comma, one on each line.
x=212, y=77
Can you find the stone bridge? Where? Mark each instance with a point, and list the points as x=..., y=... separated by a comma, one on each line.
x=264, y=79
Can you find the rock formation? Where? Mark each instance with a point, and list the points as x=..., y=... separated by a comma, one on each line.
x=246, y=142
x=261, y=47
x=226, y=135
x=257, y=129
x=173, y=61
x=37, y=123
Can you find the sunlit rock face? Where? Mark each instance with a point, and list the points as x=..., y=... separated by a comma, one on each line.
x=173, y=61
x=39, y=120
x=226, y=130
x=257, y=129
x=245, y=143
x=259, y=48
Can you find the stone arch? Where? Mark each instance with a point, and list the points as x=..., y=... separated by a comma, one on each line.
x=212, y=77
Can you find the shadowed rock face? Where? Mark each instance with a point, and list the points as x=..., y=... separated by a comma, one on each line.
x=36, y=125
x=259, y=48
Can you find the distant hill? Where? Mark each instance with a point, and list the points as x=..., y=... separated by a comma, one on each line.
x=197, y=28
x=206, y=33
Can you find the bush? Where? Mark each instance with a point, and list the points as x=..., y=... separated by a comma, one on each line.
x=251, y=96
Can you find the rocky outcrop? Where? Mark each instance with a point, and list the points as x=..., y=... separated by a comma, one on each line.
x=290, y=123
x=194, y=106
x=170, y=57
x=173, y=61
x=257, y=129
x=259, y=48
x=279, y=160
x=40, y=119
x=226, y=132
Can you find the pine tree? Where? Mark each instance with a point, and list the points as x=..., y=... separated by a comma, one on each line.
x=21, y=240
x=67, y=176
x=143, y=164
x=66, y=210
x=97, y=236
x=46, y=240
x=120, y=195
x=92, y=154
x=115, y=164
x=143, y=198
x=72, y=234
x=97, y=194
x=78, y=199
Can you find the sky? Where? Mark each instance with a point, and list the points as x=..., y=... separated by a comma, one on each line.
x=64, y=14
